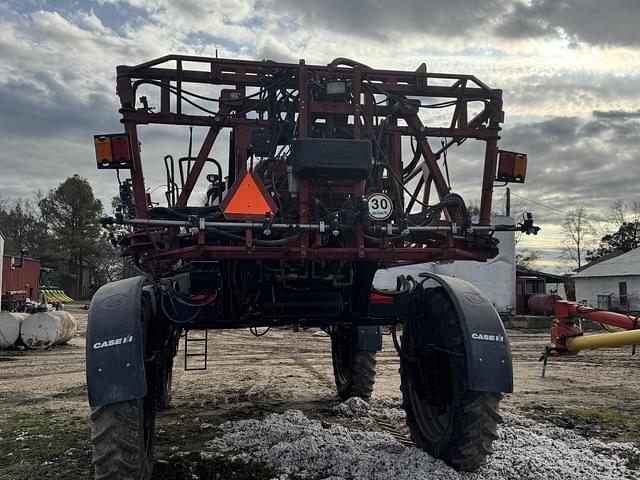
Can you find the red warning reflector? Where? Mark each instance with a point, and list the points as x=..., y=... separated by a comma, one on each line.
x=376, y=298
x=104, y=157
x=512, y=167
x=248, y=199
x=112, y=151
x=120, y=148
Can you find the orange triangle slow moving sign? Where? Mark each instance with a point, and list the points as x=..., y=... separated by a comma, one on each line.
x=248, y=199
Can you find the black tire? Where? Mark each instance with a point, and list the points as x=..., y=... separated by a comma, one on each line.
x=122, y=436
x=168, y=386
x=445, y=418
x=122, y=432
x=164, y=378
x=354, y=370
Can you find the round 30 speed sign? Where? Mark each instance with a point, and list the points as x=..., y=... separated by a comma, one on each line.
x=380, y=206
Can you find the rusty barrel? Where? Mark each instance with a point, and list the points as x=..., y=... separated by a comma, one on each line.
x=10, y=328
x=45, y=329
x=542, y=303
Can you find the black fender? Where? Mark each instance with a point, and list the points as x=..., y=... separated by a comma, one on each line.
x=486, y=345
x=368, y=338
x=115, y=343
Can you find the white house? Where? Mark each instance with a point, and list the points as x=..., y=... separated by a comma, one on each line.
x=496, y=278
x=611, y=284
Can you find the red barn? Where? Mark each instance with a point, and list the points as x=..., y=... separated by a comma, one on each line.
x=23, y=281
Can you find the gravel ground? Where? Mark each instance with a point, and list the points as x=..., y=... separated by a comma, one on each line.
x=293, y=444
x=253, y=385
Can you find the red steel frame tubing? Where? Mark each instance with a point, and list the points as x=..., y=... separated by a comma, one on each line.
x=209, y=140
x=490, y=160
x=137, y=176
x=241, y=74
x=566, y=310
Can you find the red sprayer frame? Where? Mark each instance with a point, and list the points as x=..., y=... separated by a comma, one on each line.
x=395, y=97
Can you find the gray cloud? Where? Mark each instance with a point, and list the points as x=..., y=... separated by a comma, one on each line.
x=577, y=91
x=573, y=162
x=616, y=114
x=612, y=22
x=57, y=84
x=53, y=109
x=382, y=20
x=576, y=162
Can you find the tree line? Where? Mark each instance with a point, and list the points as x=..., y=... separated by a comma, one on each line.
x=62, y=229
x=618, y=232
x=587, y=237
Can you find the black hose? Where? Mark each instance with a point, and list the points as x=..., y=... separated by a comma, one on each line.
x=336, y=62
x=173, y=319
x=171, y=185
x=404, y=286
x=449, y=200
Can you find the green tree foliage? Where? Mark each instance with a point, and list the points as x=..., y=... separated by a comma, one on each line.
x=62, y=230
x=72, y=214
x=625, y=217
x=22, y=225
x=626, y=238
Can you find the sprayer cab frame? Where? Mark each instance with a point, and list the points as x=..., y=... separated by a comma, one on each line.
x=367, y=100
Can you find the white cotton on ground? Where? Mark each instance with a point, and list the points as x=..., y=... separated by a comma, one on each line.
x=526, y=450
x=352, y=407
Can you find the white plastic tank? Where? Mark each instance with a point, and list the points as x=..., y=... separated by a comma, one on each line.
x=10, y=328
x=496, y=278
x=45, y=329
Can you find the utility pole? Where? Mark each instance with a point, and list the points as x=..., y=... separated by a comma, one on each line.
x=507, y=203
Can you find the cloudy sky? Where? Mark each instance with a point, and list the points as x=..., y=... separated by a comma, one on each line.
x=570, y=71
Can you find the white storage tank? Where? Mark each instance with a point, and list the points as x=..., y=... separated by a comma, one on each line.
x=496, y=277
x=45, y=329
x=10, y=328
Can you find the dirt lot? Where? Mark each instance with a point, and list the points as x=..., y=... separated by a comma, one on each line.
x=43, y=407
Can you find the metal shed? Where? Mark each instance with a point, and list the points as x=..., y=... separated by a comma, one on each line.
x=24, y=279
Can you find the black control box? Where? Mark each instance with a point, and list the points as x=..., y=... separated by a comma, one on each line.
x=331, y=158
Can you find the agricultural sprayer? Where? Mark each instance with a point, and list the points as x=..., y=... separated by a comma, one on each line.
x=330, y=172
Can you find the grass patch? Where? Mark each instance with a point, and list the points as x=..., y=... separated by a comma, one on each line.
x=44, y=445
x=633, y=460
x=212, y=467
x=193, y=465
x=598, y=414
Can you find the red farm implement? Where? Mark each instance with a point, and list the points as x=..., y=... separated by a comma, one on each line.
x=568, y=338
x=331, y=173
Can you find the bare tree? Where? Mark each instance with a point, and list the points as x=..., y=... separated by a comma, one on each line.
x=22, y=224
x=578, y=235
x=525, y=259
x=625, y=211
x=620, y=212
x=618, y=230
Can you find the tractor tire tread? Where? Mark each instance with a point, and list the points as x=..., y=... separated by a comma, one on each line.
x=116, y=436
x=475, y=427
x=363, y=376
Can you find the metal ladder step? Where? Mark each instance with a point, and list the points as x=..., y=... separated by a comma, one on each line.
x=197, y=355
